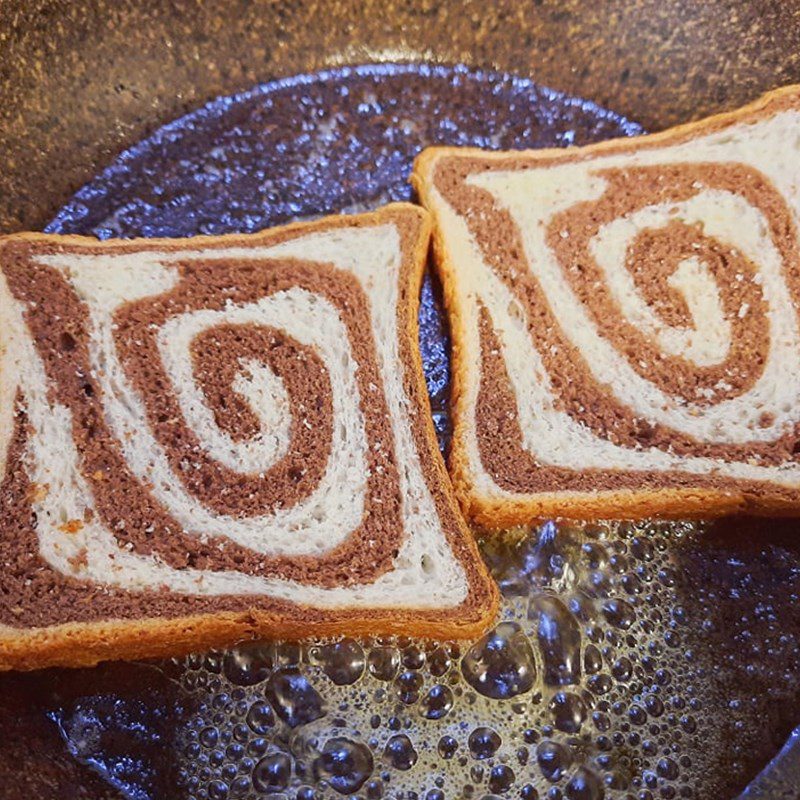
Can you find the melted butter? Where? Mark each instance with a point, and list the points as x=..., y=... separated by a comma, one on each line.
x=651, y=661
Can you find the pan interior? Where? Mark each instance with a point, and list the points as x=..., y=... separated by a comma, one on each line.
x=649, y=661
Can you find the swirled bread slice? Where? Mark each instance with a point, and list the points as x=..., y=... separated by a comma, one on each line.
x=212, y=439
x=625, y=320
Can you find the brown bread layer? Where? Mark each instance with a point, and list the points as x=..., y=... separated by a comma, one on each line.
x=652, y=258
x=514, y=468
x=217, y=355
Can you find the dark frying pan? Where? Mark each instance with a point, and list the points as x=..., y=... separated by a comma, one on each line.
x=81, y=81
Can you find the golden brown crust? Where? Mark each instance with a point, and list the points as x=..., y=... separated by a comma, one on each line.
x=85, y=644
x=494, y=513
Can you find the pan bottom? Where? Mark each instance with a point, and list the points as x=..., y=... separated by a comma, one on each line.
x=654, y=661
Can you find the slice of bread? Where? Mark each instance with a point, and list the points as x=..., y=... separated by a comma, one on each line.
x=212, y=439
x=625, y=320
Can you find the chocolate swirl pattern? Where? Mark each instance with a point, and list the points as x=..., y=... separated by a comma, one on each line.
x=222, y=426
x=635, y=308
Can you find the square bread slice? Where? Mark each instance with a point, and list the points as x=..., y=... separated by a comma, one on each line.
x=625, y=320
x=213, y=439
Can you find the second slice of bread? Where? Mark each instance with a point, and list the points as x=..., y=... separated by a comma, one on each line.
x=625, y=320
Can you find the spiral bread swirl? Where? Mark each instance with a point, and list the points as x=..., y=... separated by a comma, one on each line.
x=625, y=316
x=214, y=438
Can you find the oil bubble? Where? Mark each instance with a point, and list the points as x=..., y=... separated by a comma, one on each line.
x=413, y=657
x=437, y=702
x=619, y=613
x=344, y=764
x=408, y=685
x=585, y=785
x=569, y=711
x=209, y=737
x=439, y=662
x=554, y=759
x=559, y=639
x=622, y=669
x=483, y=742
x=500, y=664
x=447, y=747
x=400, y=752
x=260, y=717
x=272, y=773
x=247, y=666
x=592, y=659
x=343, y=662
x=667, y=768
x=501, y=779
x=383, y=663
x=293, y=697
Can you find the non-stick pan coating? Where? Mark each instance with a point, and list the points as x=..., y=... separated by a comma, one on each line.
x=79, y=82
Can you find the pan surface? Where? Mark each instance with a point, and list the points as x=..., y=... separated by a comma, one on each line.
x=127, y=722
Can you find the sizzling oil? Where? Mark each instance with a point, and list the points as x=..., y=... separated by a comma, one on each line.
x=656, y=661
x=653, y=661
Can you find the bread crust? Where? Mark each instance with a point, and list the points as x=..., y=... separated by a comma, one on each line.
x=493, y=513
x=86, y=644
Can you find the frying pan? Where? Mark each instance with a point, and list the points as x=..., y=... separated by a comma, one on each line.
x=81, y=81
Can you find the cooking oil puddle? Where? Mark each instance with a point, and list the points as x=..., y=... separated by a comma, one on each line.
x=630, y=661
